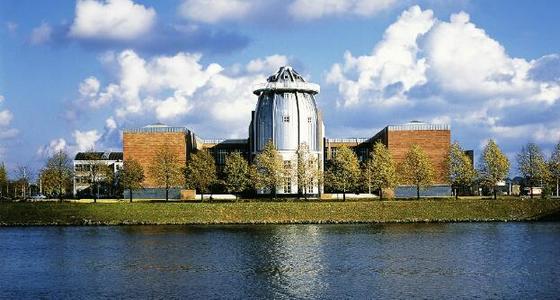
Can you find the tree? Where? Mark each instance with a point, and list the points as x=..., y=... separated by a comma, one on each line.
x=97, y=172
x=343, y=172
x=461, y=172
x=200, y=172
x=417, y=169
x=166, y=169
x=236, y=172
x=494, y=166
x=269, y=169
x=23, y=177
x=57, y=174
x=132, y=176
x=3, y=180
x=532, y=165
x=307, y=171
x=380, y=171
x=554, y=166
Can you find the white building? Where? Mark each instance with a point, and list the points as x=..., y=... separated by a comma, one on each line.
x=83, y=163
x=287, y=114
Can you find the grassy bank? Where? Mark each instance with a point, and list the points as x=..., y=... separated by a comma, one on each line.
x=275, y=212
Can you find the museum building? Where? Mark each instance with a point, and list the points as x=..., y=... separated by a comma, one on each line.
x=286, y=113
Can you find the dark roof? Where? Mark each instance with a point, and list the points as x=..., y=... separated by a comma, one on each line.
x=99, y=156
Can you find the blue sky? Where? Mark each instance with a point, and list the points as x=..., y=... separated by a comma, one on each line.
x=73, y=74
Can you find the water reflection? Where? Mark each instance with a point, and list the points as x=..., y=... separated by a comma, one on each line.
x=485, y=260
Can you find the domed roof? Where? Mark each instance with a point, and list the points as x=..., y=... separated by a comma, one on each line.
x=285, y=73
x=286, y=79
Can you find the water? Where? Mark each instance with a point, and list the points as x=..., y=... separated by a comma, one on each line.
x=462, y=260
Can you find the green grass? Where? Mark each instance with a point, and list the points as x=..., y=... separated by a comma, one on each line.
x=433, y=210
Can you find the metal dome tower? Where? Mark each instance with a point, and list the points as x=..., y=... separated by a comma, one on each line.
x=287, y=114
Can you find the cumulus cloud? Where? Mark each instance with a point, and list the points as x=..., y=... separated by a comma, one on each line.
x=6, y=132
x=111, y=19
x=215, y=10
x=393, y=67
x=52, y=147
x=312, y=9
x=178, y=90
x=454, y=72
x=41, y=34
x=85, y=140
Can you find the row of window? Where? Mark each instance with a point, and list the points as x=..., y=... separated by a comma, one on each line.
x=286, y=119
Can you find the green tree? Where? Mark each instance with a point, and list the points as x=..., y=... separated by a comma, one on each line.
x=343, y=172
x=494, y=166
x=554, y=166
x=461, y=172
x=269, y=169
x=166, y=169
x=57, y=174
x=132, y=176
x=200, y=172
x=380, y=171
x=532, y=165
x=308, y=172
x=417, y=169
x=236, y=170
x=3, y=180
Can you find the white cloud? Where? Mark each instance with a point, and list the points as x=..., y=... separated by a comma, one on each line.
x=5, y=117
x=267, y=65
x=392, y=69
x=41, y=34
x=11, y=26
x=85, y=140
x=54, y=146
x=179, y=89
x=313, y=9
x=454, y=72
x=111, y=19
x=213, y=11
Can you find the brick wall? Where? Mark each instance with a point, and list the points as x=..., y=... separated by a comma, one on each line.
x=143, y=146
x=435, y=143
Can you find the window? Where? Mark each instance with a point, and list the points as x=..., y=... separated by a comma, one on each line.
x=309, y=120
x=286, y=119
x=310, y=188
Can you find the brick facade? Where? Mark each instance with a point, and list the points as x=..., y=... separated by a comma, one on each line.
x=143, y=147
x=435, y=143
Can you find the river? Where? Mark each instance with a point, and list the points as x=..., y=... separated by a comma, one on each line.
x=448, y=260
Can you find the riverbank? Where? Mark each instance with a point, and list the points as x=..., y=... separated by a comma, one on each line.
x=446, y=210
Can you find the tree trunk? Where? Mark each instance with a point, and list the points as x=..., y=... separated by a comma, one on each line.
x=557, y=187
x=166, y=192
x=495, y=193
x=344, y=195
x=417, y=192
x=201, y=196
x=531, y=188
x=456, y=194
x=381, y=194
x=130, y=191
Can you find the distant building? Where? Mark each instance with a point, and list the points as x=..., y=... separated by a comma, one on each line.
x=82, y=175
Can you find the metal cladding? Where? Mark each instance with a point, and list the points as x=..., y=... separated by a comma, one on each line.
x=287, y=113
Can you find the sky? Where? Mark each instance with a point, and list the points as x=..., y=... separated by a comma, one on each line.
x=74, y=74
